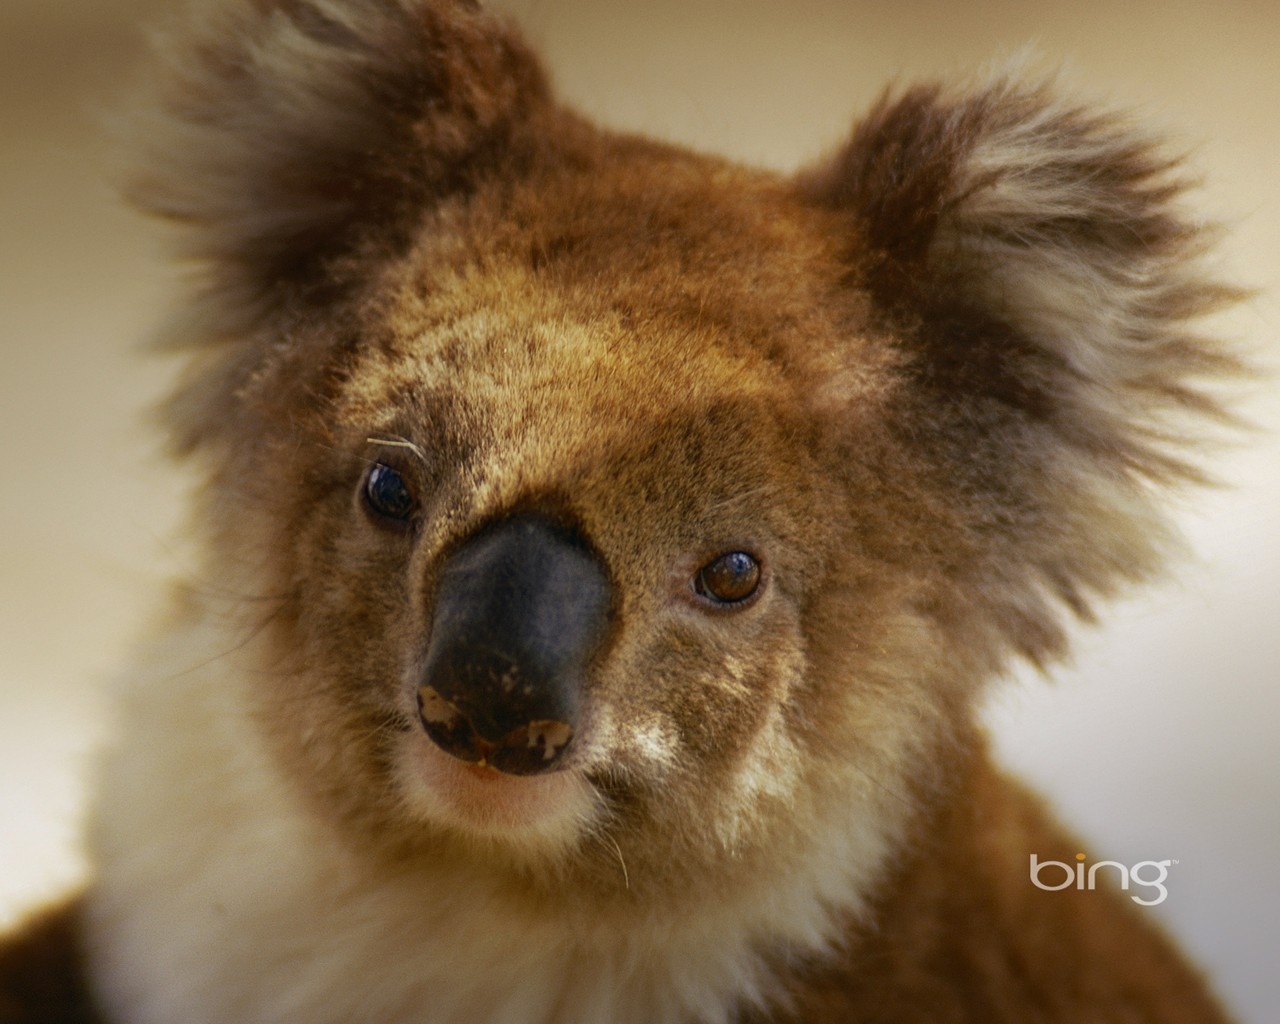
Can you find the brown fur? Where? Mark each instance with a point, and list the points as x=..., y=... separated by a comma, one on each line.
x=955, y=941
x=929, y=383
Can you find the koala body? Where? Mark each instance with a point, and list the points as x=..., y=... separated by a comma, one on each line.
x=606, y=547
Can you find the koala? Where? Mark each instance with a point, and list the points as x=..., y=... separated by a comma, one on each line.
x=604, y=549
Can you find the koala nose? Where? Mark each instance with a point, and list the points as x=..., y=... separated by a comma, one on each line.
x=520, y=609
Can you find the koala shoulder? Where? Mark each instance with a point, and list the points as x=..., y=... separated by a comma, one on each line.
x=43, y=975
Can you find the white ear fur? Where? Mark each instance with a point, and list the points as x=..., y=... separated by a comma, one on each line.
x=288, y=133
x=1035, y=257
x=1071, y=224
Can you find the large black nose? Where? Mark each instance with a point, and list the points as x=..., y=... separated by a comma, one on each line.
x=519, y=611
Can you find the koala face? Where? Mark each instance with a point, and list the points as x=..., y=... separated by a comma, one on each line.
x=674, y=489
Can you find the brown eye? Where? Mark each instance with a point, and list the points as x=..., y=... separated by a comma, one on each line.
x=387, y=494
x=730, y=579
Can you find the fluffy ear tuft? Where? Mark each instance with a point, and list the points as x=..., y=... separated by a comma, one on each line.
x=290, y=133
x=1034, y=258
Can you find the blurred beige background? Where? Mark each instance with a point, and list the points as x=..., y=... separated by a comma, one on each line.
x=1158, y=743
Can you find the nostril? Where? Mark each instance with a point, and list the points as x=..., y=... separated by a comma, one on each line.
x=448, y=728
x=532, y=748
x=529, y=749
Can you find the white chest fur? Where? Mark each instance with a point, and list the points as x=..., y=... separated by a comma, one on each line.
x=219, y=898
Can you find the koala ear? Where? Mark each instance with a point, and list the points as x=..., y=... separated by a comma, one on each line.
x=1031, y=259
x=292, y=133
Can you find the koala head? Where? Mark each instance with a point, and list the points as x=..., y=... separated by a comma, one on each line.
x=600, y=508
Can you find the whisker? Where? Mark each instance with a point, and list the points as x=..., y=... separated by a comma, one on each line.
x=252, y=635
x=399, y=442
x=626, y=878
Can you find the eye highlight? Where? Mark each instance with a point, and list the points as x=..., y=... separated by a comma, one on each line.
x=730, y=579
x=387, y=495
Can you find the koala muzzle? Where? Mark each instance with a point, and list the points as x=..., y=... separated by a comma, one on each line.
x=520, y=610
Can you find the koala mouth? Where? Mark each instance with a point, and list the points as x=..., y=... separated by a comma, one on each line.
x=477, y=797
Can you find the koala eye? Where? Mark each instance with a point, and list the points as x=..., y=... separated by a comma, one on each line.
x=386, y=493
x=730, y=579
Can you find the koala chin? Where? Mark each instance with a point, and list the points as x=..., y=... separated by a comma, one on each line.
x=605, y=548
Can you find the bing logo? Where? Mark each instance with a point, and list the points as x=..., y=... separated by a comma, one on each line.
x=1149, y=875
